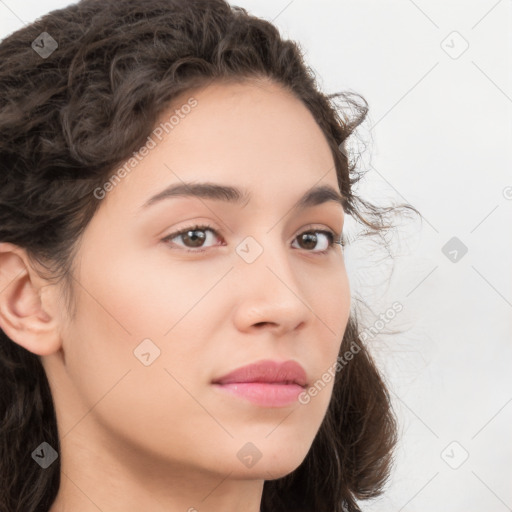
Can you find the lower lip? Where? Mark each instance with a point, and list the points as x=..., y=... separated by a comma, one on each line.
x=264, y=394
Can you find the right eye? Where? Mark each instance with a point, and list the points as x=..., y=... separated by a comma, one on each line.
x=193, y=235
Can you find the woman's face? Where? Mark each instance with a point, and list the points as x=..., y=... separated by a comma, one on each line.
x=156, y=325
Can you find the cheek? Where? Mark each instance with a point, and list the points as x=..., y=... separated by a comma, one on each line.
x=151, y=296
x=330, y=302
x=331, y=307
x=136, y=312
x=147, y=407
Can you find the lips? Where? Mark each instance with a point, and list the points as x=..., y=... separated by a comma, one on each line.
x=267, y=371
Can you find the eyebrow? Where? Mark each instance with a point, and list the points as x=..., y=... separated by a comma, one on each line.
x=214, y=191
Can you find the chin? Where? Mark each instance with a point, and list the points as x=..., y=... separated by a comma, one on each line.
x=268, y=471
x=278, y=464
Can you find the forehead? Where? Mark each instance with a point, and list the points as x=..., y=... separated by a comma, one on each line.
x=254, y=135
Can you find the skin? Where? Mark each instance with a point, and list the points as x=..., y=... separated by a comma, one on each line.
x=160, y=437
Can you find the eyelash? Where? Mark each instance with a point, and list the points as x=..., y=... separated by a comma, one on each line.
x=335, y=238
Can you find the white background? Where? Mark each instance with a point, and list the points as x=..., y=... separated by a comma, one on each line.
x=440, y=138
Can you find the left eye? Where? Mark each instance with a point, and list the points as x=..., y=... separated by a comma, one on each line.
x=193, y=238
x=311, y=238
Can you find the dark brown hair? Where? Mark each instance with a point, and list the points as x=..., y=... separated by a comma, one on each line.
x=68, y=119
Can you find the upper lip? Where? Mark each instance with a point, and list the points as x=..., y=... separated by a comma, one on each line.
x=267, y=371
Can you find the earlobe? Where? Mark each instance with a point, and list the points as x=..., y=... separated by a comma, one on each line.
x=25, y=316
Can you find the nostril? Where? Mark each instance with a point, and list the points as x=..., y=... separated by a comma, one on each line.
x=262, y=324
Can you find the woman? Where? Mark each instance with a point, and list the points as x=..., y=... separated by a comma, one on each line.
x=175, y=309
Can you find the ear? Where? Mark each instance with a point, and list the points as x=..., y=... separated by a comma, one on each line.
x=27, y=303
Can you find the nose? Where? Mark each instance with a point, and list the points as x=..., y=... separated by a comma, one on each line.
x=269, y=295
